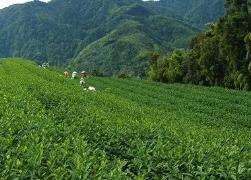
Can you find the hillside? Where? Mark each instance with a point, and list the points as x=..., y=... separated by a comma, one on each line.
x=197, y=12
x=51, y=128
x=67, y=32
x=126, y=49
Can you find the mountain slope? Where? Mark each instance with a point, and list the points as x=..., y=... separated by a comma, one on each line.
x=197, y=12
x=30, y=30
x=126, y=49
x=59, y=30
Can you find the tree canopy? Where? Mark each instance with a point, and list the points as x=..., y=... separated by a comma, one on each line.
x=218, y=56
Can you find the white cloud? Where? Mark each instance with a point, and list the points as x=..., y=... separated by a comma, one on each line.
x=5, y=3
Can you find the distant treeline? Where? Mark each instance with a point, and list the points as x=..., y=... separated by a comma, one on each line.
x=219, y=56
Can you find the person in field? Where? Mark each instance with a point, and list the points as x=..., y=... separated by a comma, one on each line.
x=90, y=88
x=74, y=75
x=66, y=74
x=83, y=74
x=82, y=82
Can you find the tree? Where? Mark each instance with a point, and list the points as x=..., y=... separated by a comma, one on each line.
x=219, y=56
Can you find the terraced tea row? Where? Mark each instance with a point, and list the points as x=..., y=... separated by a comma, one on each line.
x=51, y=128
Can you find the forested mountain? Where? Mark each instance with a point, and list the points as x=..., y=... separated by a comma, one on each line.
x=111, y=36
x=126, y=48
x=197, y=12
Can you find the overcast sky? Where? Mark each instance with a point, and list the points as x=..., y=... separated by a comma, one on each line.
x=5, y=3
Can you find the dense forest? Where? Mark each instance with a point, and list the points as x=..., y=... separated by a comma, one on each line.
x=219, y=56
x=109, y=36
x=196, y=12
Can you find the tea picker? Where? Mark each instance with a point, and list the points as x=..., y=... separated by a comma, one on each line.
x=74, y=75
x=82, y=82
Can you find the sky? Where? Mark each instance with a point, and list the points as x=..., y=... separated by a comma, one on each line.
x=5, y=3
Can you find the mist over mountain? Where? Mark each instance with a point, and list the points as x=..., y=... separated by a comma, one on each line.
x=110, y=36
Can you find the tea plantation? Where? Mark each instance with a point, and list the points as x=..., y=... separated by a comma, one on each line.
x=50, y=128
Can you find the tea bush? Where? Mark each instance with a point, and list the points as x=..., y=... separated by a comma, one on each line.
x=128, y=129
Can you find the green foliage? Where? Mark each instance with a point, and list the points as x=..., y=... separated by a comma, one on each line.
x=128, y=129
x=178, y=66
x=123, y=76
x=126, y=48
x=82, y=33
x=197, y=12
x=170, y=68
x=248, y=47
x=220, y=55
